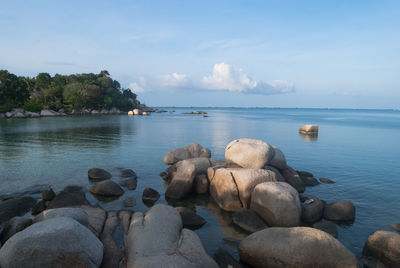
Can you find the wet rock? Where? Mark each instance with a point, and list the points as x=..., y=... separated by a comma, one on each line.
x=277, y=173
x=190, y=219
x=312, y=208
x=293, y=179
x=225, y=260
x=96, y=218
x=69, y=197
x=248, y=220
x=310, y=181
x=150, y=195
x=396, y=226
x=13, y=226
x=164, y=176
x=370, y=262
x=58, y=242
x=307, y=247
x=77, y=214
x=328, y=227
x=175, y=247
x=232, y=188
x=15, y=207
x=130, y=201
x=309, y=129
x=304, y=173
x=107, y=188
x=201, y=184
x=48, y=194
x=385, y=247
x=277, y=203
x=193, y=150
x=39, y=207
x=113, y=254
x=128, y=173
x=278, y=160
x=340, y=211
x=325, y=180
x=130, y=183
x=98, y=174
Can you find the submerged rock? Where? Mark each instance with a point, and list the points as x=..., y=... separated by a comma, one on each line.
x=130, y=201
x=201, y=184
x=69, y=197
x=248, y=220
x=190, y=219
x=225, y=260
x=18, y=206
x=193, y=150
x=328, y=227
x=130, y=183
x=150, y=195
x=340, y=211
x=128, y=173
x=58, y=242
x=98, y=174
x=325, y=180
x=107, y=188
x=385, y=247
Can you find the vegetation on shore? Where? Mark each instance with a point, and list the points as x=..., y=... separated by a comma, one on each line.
x=69, y=92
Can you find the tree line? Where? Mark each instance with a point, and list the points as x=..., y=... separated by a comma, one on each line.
x=69, y=92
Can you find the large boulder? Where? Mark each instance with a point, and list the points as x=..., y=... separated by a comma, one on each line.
x=107, y=188
x=231, y=188
x=277, y=203
x=201, y=184
x=183, y=174
x=294, y=179
x=77, y=214
x=193, y=150
x=158, y=240
x=340, y=211
x=309, y=129
x=69, y=197
x=49, y=113
x=58, y=242
x=249, y=153
x=278, y=160
x=150, y=196
x=98, y=174
x=298, y=247
x=18, y=206
x=312, y=208
x=14, y=226
x=385, y=247
x=96, y=218
x=248, y=220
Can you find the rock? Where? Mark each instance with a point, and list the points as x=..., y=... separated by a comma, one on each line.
x=175, y=247
x=19, y=115
x=192, y=150
x=249, y=153
x=225, y=260
x=150, y=195
x=385, y=247
x=182, y=177
x=113, y=254
x=77, y=214
x=96, y=218
x=248, y=220
x=164, y=176
x=312, y=208
x=39, y=207
x=9, y=114
x=107, y=188
x=2, y=115
x=15, y=207
x=95, y=112
x=190, y=219
x=298, y=247
x=328, y=227
x=201, y=184
x=278, y=174
x=340, y=211
x=98, y=174
x=128, y=173
x=48, y=194
x=13, y=226
x=309, y=181
x=145, y=113
x=58, y=242
x=136, y=112
x=277, y=203
x=130, y=112
x=396, y=226
x=130, y=201
x=304, y=173
x=69, y=197
x=309, y=129
x=370, y=262
x=232, y=188
x=293, y=179
x=130, y=183
x=325, y=180
x=32, y=115
x=278, y=160
x=49, y=113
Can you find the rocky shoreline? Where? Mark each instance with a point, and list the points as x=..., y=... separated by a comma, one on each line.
x=285, y=227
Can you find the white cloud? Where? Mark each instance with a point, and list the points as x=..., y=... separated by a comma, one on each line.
x=173, y=80
x=138, y=87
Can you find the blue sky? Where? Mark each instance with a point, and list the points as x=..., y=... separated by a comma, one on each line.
x=216, y=53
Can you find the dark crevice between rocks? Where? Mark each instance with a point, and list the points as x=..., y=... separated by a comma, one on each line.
x=237, y=188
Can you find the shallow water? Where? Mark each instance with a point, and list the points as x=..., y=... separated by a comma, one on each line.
x=358, y=149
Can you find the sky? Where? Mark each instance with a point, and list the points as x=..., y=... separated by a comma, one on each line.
x=336, y=54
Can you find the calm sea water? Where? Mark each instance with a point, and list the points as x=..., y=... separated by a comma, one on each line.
x=358, y=149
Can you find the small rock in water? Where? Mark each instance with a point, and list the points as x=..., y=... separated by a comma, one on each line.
x=304, y=173
x=312, y=208
x=248, y=220
x=130, y=183
x=310, y=181
x=340, y=211
x=325, y=180
x=48, y=194
x=128, y=173
x=98, y=174
x=190, y=219
x=39, y=207
x=309, y=129
x=396, y=226
x=164, y=176
x=69, y=197
x=107, y=188
x=130, y=202
x=225, y=260
x=328, y=227
x=150, y=196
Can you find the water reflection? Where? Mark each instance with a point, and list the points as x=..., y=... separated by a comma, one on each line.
x=309, y=137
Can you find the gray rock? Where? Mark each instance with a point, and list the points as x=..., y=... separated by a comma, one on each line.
x=96, y=218
x=304, y=173
x=49, y=113
x=77, y=214
x=312, y=208
x=2, y=116
x=325, y=180
x=32, y=115
x=310, y=181
x=248, y=220
x=69, y=197
x=98, y=174
x=107, y=188
x=225, y=260
x=9, y=114
x=190, y=219
x=385, y=247
x=278, y=160
x=150, y=196
x=293, y=179
x=130, y=183
x=39, y=207
x=48, y=194
x=130, y=201
x=165, y=176
x=128, y=173
x=193, y=150
x=175, y=247
x=298, y=247
x=58, y=242
x=201, y=184
x=340, y=211
x=19, y=115
x=13, y=226
x=328, y=227
x=278, y=174
x=15, y=207
x=113, y=254
x=277, y=203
